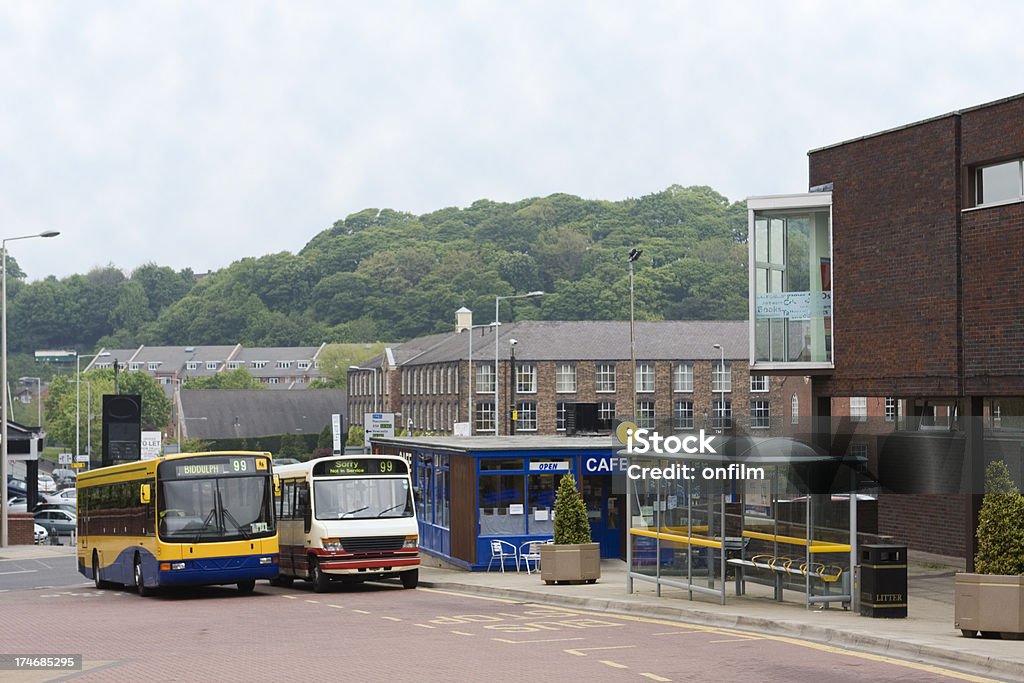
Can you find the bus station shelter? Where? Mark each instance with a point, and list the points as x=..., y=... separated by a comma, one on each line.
x=774, y=511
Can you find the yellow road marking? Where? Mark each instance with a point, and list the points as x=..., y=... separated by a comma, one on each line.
x=541, y=640
x=391, y=618
x=675, y=633
x=733, y=640
x=336, y=606
x=463, y=633
x=579, y=651
x=424, y=625
x=613, y=664
x=315, y=602
x=361, y=611
x=655, y=677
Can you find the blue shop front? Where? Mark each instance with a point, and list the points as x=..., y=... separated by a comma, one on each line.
x=472, y=490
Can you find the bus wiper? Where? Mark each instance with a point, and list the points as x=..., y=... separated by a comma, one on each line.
x=231, y=518
x=352, y=512
x=206, y=523
x=381, y=513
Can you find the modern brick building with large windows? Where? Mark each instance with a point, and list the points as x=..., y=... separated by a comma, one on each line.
x=575, y=377
x=897, y=277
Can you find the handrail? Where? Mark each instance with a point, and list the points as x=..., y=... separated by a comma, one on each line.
x=689, y=540
x=814, y=547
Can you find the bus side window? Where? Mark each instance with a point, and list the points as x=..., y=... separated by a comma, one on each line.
x=302, y=506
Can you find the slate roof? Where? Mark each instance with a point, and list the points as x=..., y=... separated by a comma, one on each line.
x=583, y=340
x=238, y=413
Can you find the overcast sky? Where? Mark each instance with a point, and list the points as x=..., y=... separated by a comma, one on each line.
x=192, y=134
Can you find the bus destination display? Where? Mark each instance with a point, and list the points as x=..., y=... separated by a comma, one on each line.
x=360, y=467
x=218, y=468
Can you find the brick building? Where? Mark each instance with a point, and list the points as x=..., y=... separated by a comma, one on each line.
x=681, y=383
x=896, y=277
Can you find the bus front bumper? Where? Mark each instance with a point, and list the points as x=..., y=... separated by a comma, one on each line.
x=218, y=570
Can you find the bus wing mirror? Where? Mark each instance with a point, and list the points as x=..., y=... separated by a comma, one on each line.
x=144, y=494
x=277, y=486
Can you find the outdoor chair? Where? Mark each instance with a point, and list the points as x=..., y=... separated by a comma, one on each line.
x=500, y=550
x=530, y=551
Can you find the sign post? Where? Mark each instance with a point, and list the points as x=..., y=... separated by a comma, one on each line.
x=336, y=432
x=377, y=424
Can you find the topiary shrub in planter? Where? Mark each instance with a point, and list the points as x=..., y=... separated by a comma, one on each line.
x=572, y=557
x=991, y=600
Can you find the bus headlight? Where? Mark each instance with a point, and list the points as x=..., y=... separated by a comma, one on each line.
x=411, y=542
x=332, y=545
x=266, y=560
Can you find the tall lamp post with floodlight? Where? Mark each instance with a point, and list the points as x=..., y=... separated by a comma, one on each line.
x=3, y=373
x=497, y=321
x=634, y=254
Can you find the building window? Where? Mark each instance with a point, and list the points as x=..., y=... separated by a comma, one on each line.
x=859, y=450
x=234, y=365
x=485, y=379
x=758, y=383
x=565, y=378
x=273, y=380
x=604, y=378
x=191, y=365
x=303, y=365
x=527, y=416
x=645, y=377
x=721, y=414
x=526, y=378
x=759, y=416
x=645, y=414
x=682, y=377
x=858, y=408
x=606, y=413
x=165, y=380
x=257, y=364
x=283, y=364
x=682, y=414
x=484, y=416
x=794, y=409
x=1000, y=183
x=211, y=365
x=721, y=376
x=153, y=365
x=890, y=409
x=135, y=366
x=560, y=416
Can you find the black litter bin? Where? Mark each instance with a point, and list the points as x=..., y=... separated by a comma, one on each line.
x=883, y=581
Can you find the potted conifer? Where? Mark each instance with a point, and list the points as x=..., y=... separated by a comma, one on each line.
x=991, y=601
x=572, y=557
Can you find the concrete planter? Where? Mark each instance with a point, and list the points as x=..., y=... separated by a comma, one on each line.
x=579, y=563
x=991, y=604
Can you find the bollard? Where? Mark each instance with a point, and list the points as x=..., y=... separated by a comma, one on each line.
x=54, y=539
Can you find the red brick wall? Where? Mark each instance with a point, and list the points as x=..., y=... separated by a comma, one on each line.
x=20, y=528
x=894, y=219
x=930, y=523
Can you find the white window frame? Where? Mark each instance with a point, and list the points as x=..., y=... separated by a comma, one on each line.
x=645, y=413
x=484, y=416
x=682, y=377
x=644, y=377
x=604, y=378
x=212, y=365
x=760, y=414
x=979, y=185
x=527, y=416
x=485, y=380
x=721, y=377
x=858, y=409
x=565, y=378
x=759, y=384
x=682, y=414
x=890, y=409
x=526, y=378
x=794, y=408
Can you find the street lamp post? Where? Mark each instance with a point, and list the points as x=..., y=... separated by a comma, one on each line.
x=512, y=387
x=39, y=396
x=497, y=375
x=634, y=254
x=721, y=385
x=3, y=373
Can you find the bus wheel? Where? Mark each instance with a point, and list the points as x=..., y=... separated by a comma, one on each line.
x=96, y=580
x=140, y=585
x=319, y=580
x=410, y=578
x=245, y=587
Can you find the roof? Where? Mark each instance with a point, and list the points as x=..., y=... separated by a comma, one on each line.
x=473, y=444
x=539, y=340
x=213, y=414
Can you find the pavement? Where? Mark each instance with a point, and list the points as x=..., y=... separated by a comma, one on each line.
x=926, y=635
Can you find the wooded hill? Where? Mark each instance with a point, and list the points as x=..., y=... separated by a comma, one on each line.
x=384, y=274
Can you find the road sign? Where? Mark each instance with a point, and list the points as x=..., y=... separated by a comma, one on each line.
x=64, y=459
x=377, y=424
x=82, y=457
x=152, y=444
x=336, y=432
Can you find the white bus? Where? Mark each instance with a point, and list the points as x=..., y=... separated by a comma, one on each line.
x=350, y=518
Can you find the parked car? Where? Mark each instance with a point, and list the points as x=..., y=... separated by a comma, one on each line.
x=69, y=507
x=41, y=534
x=17, y=487
x=46, y=484
x=17, y=504
x=64, y=477
x=63, y=521
x=65, y=496
x=285, y=461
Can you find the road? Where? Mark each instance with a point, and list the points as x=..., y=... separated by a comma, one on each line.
x=380, y=632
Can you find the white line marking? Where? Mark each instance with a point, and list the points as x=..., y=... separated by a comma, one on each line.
x=541, y=640
x=360, y=611
x=21, y=571
x=579, y=650
x=613, y=664
x=391, y=618
x=655, y=677
x=463, y=633
x=423, y=625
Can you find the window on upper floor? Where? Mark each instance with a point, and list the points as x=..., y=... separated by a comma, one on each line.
x=526, y=378
x=999, y=183
x=212, y=365
x=283, y=364
x=234, y=365
x=485, y=382
x=858, y=408
x=644, y=377
x=758, y=383
x=153, y=365
x=890, y=409
x=604, y=377
x=565, y=378
x=682, y=377
x=721, y=376
x=259, y=364
x=303, y=364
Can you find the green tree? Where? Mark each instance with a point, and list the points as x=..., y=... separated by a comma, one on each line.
x=1000, y=524
x=292, y=446
x=571, y=523
x=239, y=378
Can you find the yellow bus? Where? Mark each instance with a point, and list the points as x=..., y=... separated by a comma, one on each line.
x=350, y=518
x=180, y=520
